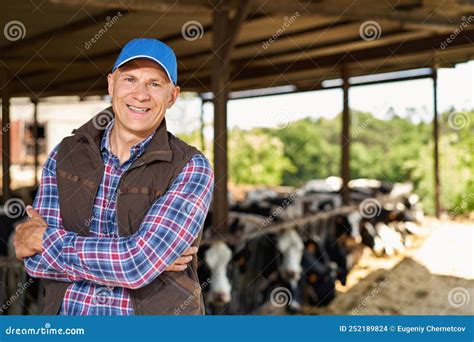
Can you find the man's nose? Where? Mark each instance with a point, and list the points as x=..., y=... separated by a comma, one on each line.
x=141, y=93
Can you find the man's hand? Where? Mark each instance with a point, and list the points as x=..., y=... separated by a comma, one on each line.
x=29, y=235
x=181, y=263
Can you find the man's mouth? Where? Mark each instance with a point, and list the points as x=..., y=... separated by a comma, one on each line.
x=138, y=109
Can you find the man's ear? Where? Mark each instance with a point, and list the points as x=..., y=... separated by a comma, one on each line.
x=110, y=81
x=174, y=96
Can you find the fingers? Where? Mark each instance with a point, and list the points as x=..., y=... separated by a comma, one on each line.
x=23, y=252
x=176, y=268
x=35, y=216
x=183, y=260
x=32, y=213
x=28, y=239
x=180, y=264
x=18, y=227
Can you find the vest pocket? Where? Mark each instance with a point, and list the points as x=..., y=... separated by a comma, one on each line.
x=172, y=293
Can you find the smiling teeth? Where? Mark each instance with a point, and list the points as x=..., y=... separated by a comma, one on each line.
x=138, y=109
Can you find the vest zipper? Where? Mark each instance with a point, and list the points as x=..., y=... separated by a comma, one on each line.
x=99, y=158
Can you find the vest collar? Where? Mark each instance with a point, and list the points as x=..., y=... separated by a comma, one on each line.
x=158, y=149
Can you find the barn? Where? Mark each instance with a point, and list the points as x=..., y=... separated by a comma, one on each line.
x=293, y=248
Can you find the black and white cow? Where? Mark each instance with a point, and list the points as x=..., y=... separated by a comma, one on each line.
x=320, y=274
x=267, y=263
x=215, y=276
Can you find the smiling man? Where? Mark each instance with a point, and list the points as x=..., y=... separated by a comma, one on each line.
x=118, y=217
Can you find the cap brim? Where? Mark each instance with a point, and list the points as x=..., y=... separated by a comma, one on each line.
x=147, y=57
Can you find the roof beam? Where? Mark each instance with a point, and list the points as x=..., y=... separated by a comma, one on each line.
x=259, y=41
x=407, y=47
x=168, y=39
x=313, y=51
x=186, y=7
x=436, y=13
x=235, y=25
x=65, y=30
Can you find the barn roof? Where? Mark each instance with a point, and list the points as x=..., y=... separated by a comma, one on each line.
x=67, y=47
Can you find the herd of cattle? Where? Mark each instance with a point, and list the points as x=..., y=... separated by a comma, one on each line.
x=289, y=267
x=299, y=264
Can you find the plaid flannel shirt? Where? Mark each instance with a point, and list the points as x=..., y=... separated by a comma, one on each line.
x=103, y=266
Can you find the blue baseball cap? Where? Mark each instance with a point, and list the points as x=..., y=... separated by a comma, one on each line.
x=151, y=49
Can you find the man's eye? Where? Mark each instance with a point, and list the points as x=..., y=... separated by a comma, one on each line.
x=155, y=84
x=129, y=79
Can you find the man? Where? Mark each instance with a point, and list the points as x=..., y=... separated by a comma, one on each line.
x=121, y=204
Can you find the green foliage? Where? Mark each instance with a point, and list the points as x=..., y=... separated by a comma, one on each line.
x=257, y=158
x=312, y=147
x=395, y=150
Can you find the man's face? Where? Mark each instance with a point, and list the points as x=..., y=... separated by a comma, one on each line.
x=141, y=92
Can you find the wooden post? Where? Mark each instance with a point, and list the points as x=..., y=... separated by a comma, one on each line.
x=202, y=128
x=220, y=91
x=35, y=136
x=437, y=189
x=6, y=158
x=225, y=31
x=345, y=139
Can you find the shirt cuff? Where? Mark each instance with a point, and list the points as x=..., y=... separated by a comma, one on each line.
x=53, y=244
x=72, y=262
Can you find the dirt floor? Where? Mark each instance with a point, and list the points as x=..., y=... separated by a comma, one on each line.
x=433, y=277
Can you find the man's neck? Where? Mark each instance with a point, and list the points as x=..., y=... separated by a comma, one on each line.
x=121, y=141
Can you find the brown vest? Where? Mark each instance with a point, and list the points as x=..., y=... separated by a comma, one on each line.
x=79, y=171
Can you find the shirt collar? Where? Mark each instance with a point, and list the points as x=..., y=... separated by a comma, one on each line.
x=158, y=149
x=135, y=151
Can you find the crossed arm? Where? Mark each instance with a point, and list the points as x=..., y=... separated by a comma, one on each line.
x=167, y=231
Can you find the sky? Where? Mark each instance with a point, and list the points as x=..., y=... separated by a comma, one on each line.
x=413, y=98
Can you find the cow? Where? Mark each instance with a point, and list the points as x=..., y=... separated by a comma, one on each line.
x=214, y=272
x=267, y=263
x=320, y=274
